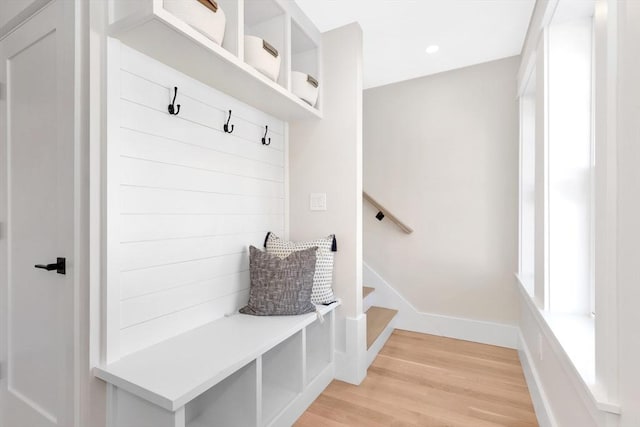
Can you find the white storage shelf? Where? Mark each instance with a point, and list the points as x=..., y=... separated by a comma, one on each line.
x=305, y=57
x=147, y=27
x=267, y=20
x=232, y=402
x=318, y=349
x=282, y=376
x=237, y=371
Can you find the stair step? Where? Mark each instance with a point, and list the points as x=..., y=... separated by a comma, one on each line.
x=366, y=290
x=377, y=320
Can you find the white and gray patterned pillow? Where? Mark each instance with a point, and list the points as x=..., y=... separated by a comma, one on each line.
x=280, y=287
x=323, y=278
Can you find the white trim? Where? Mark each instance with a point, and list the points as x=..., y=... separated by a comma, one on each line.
x=606, y=234
x=111, y=293
x=409, y=318
x=351, y=364
x=541, y=404
x=28, y=12
x=520, y=180
x=95, y=411
x=546, y=223
x=82, y=195
x=592, y=174
x=540, y=19
x=287, y=183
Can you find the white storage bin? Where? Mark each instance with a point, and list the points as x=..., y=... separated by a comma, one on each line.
x=200, y=17
x=262, y=56
x=305, y=87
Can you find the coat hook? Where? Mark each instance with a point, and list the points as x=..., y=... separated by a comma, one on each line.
x=264, y=138
x=174, y=109
x=227, y=128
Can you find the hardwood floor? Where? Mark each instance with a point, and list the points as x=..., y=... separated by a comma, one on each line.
x=429, y=381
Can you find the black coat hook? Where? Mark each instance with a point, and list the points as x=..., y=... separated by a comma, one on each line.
x=174, y=109
x=264, y=138
x=227, y=128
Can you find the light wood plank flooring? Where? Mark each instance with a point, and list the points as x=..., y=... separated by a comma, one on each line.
x=425, y=380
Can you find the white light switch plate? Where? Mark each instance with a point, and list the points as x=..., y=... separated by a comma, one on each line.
x=318, y=201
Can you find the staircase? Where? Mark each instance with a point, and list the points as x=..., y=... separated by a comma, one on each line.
x=380, y=320
x=379, y=324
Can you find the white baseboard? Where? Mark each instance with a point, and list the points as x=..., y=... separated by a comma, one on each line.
x=409, y=318
x=540, y=401
x=351, y=364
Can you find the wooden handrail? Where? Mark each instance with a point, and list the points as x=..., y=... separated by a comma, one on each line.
x=404, y=227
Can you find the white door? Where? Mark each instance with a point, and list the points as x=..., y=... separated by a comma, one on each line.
x=36, y=220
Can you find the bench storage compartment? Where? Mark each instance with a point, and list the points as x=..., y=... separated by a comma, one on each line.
x=237, y=371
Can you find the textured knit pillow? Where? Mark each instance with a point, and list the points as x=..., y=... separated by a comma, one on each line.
x=280, y=287
x=323, y=278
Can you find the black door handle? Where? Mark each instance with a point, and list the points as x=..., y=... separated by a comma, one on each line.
x=60, y=266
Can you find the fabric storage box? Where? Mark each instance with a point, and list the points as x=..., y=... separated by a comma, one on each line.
x=203, y=15
x=305, y=87
x=262, y=56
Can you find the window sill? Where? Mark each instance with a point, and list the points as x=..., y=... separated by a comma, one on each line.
x=572, y=339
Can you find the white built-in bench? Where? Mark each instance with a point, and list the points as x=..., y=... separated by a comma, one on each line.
x=237, y=371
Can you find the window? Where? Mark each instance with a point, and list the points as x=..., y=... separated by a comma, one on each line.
x=570, y=166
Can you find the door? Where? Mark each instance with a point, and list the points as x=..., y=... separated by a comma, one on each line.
x=37, y=220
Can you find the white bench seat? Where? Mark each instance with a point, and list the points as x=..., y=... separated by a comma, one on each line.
x=172, y=373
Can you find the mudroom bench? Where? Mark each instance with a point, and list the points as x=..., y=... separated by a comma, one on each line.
x=236, y=371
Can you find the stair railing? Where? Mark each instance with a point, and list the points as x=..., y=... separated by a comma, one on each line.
x=384, y=213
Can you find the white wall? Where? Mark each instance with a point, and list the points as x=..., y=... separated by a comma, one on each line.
x=185, y=201
x=325, y=156
x=441, y=153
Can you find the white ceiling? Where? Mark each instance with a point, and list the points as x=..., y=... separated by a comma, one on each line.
x=397, y=32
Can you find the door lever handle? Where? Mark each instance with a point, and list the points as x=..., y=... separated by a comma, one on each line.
x=60, y=266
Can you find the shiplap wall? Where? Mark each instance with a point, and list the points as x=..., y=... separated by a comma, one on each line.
x=185, y=201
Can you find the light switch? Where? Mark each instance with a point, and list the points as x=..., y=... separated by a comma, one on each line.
x=318, y=201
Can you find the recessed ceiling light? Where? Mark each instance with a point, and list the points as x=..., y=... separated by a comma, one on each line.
x=433, y=49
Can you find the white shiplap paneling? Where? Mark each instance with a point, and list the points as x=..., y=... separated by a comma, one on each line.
x=188, y=200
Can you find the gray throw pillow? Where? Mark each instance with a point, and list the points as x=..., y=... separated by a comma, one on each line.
x=280, y=287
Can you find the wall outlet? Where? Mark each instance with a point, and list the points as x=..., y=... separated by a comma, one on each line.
x=318, y=201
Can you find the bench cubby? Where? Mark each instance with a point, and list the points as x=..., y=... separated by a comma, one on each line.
x=237, y=371
x=319, y=349
x=282, y=373
x=232, y=402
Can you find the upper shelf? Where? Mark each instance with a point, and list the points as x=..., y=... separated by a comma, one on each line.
x=148, y=27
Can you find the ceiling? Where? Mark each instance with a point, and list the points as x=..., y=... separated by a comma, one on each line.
x=397, y=32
